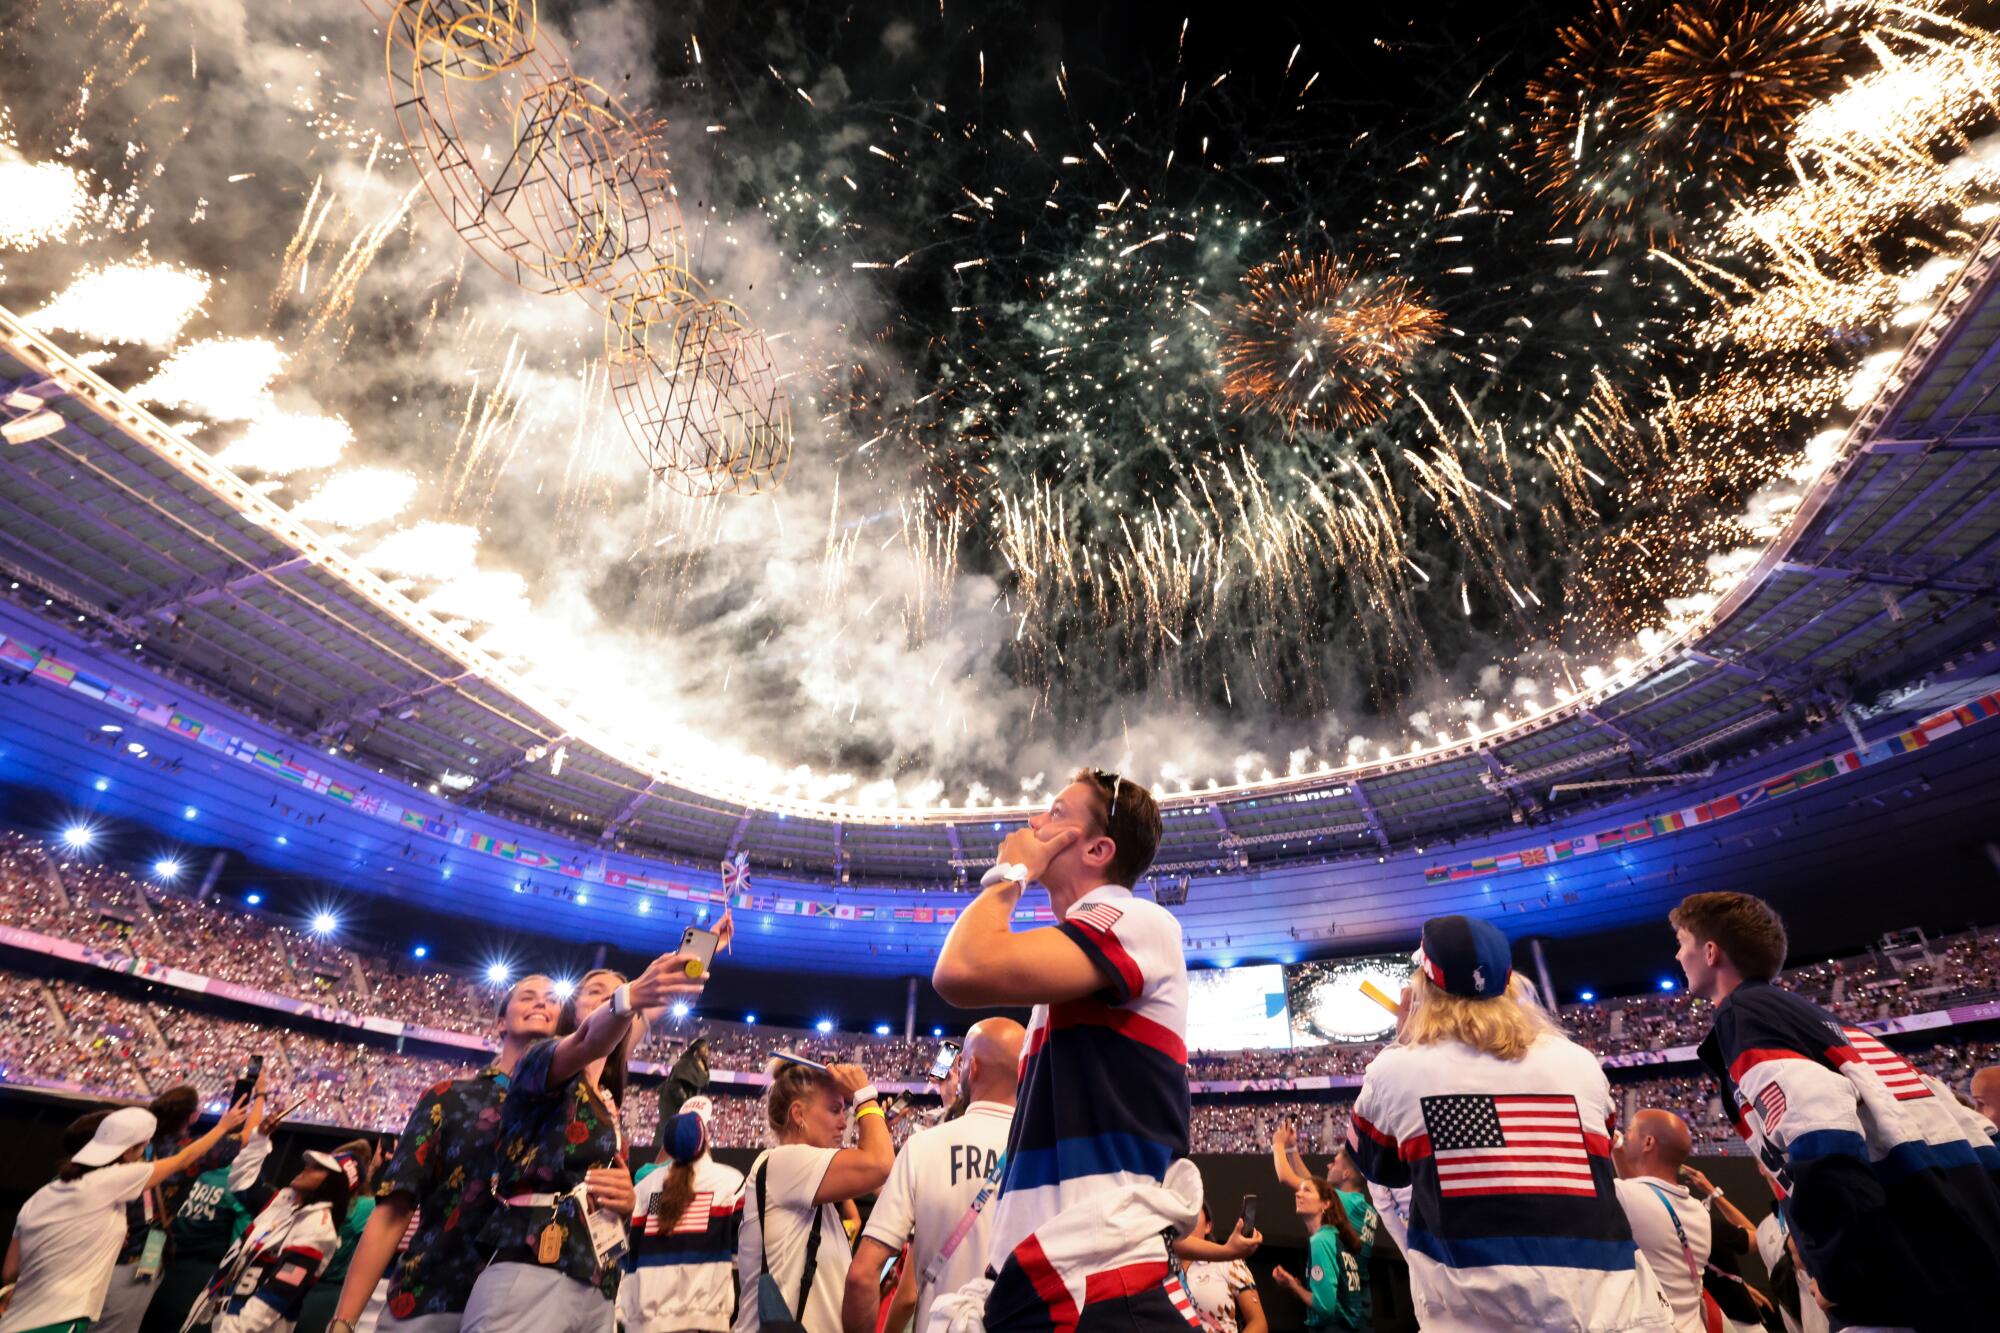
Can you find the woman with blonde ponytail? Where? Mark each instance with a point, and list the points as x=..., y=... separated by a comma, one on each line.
x=680, y=1272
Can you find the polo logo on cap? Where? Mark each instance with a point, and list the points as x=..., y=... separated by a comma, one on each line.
x=1479, y=978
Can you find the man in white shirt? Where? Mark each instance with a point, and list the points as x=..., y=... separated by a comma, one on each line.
x=1670, y=1226
x=939, y=1197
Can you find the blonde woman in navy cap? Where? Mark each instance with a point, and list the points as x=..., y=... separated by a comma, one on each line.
x=1499, y=1128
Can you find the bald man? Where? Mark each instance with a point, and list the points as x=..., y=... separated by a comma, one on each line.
x=1986, y=1094
x=1669, y=1224
x=943, y=1174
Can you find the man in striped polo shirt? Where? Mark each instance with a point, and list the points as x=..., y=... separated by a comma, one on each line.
x=1103, y=1106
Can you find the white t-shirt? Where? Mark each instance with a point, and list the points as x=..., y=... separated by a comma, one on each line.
x=70, y=1234
x=794, y=1174
x=1661, y=1244
x=936, y=1177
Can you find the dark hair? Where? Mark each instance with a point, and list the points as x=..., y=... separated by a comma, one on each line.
x=790, y=1083
x=76, y=1134
x=1329, y=1197
x=507, y=996
x=615, y=1065
x=175, y=1109
x=1129, y=816
x=1746, y=929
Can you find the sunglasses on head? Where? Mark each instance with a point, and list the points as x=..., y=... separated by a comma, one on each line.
x=1113, y=781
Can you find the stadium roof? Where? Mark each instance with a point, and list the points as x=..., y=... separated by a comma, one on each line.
x=130, y=535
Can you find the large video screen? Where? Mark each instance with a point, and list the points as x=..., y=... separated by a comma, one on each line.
x=1326, y=1003
x=1237, y=1008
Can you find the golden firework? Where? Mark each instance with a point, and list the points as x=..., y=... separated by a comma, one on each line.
x=1317, y=343
x=1646, y=102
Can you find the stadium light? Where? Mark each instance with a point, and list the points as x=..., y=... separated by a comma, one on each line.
x=111, y=729
x=1666, y=983
x=881, y=1029
x=564, y=988
x=645, y=904
x=421, y=951
x=680, y=1009
x=102, y=784
x=189, y=812
x=497, y=973
x=79, y=836
x=254, y=899
x=167, y=868
x=325, y=923
x=1586, y=996
x=750, y=1020
x=937, y=1032
x=824, y=1026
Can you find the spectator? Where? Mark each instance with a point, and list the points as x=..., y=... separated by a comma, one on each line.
x=565, y=1194
x=793, y=1262
x=1986, y=1094
x=936, y=1200
x=680, y=1273
x=67, y=1236
x=1671, y=1228
x=210, y=1220
x=263, y=1282
x=1823, y=1106
x=1732, y=1236
x=1335, y=1253
x=1222, y=1291
x=1499, y=1125
x=435, y=1195
x=1104, y=1104
x=142, y=1259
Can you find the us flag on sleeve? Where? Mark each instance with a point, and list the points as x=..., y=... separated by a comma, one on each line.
x=1513, y=1143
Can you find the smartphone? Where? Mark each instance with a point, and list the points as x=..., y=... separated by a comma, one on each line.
x=701, y=943
x=1249, y=1214
x=792, y=1059
x=247, y=1083
x=946, y=1059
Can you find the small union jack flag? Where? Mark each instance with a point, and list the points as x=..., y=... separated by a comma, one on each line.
x=736, y=874
x=1771, y=1103
x=1098, y=916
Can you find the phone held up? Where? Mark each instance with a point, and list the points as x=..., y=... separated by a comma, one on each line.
x=247, y=1082
x=701, y=944
x=1249, y=1214
x=946, y=1059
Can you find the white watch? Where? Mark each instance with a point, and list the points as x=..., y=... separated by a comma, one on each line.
x=621, y=1001
x=865, y=1093
x=1012, y=871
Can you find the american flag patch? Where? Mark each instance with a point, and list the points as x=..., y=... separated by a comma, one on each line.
x=1513, y=1144
x=1100, y=917
x=695, y=1219
x=1903, y=1082
x=291, y=1275
x=1771, y=1103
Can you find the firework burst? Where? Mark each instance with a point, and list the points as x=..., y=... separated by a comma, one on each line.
x=1651, y=110
x=1319, y=344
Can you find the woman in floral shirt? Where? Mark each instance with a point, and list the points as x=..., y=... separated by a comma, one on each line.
x=1223, y=1292
x=558, y=1235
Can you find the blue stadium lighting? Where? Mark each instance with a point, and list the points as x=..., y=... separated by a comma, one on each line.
x=189, y=812
x=583, y=900
x=254, y=899
x=882, y=1029
x=102, y=784
x=1666, y=983
x=564, y=988
x=167, y=868
x=937, y=1032
x=79, y=836
x=750, y=1020
x=498, y=973
x=284, y=841
x=111, y=729
x=645, y=904
x=325, y=923
x=824, y=1026
x=1586, y=995
x=421, y=951
x=680, y=1009
x=134, y=747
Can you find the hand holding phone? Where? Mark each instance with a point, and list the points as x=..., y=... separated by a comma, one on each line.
x=1249, y=1213
x=946, y=1059
x=699, y=945
x=247, y=1082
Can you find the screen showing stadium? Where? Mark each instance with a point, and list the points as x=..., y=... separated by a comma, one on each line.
x=1237, y=1008
x=1327, y=1004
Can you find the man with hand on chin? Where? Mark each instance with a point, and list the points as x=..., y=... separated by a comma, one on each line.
x=1103, y=1105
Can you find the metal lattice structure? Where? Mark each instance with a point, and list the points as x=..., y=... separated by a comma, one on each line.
x=696, y=385
x=575, y=199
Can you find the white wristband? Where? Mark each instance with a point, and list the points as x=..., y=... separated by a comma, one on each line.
x=621, y=1001
x=865, y=1093
x=1004, y=871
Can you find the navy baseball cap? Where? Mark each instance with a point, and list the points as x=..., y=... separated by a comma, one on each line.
x=1463, y=955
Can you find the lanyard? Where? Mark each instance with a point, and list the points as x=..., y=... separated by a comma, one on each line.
x=964, y=1228
x=1687, y=1250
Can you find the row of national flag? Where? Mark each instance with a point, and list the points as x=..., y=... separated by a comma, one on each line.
x=47, y=669
x=1937, y=725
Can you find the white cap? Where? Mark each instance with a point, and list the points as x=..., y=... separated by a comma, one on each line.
x=117, y=1134
x=340, y=1163
x=701, y=1106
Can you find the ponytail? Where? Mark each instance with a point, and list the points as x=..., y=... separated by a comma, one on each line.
x=684, y=1140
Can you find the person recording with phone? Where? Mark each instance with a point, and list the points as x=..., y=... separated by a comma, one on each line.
x=1341, y=1239
x=558, y=1234
x=939, y=1194
x=143, y=1258
x=1223, y=1291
